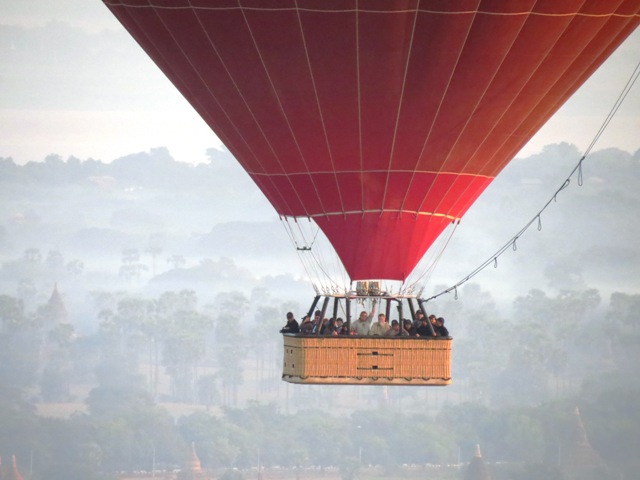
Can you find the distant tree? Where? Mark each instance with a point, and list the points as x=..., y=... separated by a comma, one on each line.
x=265, y=342
x=12, y=315
x=211, y=436
x=112, y=401
x=27, y=291
x=128, y=427
x=230, y=327
x=75, y=268
x=131, y=267
x=19, y=424
x=154, y=248
x=58, y=369
x=54, y=262
x=121, y=338
x=176, y=261
x=232, y=474
x=20, y=343
x=208, y=393
x=32, y=256
x=182, y=331
x=184, y=348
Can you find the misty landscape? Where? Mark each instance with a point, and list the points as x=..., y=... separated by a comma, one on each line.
x=144, y=279
x=141, y=299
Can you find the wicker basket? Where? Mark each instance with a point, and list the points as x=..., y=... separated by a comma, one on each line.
x=352, y=360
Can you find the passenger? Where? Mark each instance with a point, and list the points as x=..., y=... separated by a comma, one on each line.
x=342, y=327
x=440, y=329
x=409, y=330
x=424, y=330
x=363, y=324
x=418, y=320
x=381, y=327
x=394, y=331
x=432, y=319
x=329, y=328
x=291, y=326
x=317, y=321
x=307, y=325
x=323, y=325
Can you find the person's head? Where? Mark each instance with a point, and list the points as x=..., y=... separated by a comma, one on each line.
x=289, y=316
x=363, y=316
x=432, y=319
x=408, y=324
x=317, y=315
x=382, y=318
x=419, y=315
x=395, y=325
x=439, y=321
x=339, y=321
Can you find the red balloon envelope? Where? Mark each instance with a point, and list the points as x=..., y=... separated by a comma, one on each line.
x=381, y=120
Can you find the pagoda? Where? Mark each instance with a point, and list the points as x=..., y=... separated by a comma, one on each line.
x=580, y=458
x=477, y=469
x=192, y=468
x=13, y=473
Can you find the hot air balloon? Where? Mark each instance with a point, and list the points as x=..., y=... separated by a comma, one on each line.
x=380, y=121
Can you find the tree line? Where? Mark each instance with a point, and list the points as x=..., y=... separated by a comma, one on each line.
x=517, y=381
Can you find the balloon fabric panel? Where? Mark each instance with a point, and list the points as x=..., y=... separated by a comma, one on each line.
x=382, y=121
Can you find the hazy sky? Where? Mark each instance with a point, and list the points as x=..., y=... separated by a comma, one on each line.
x=73, y=82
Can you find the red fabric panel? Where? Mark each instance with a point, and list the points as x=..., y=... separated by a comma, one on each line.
x=385, y=241
x=383, y=121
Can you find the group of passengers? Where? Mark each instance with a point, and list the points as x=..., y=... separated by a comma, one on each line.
x=423, y=326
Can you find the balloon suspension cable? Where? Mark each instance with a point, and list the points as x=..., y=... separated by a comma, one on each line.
x=424, y=277
x=310, y=255
x=292, y=238
x=577, y=170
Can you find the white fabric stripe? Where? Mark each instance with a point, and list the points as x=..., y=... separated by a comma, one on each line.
x=470, y=116
x=399, y=109
x=359, y=103
x=357, y=9
x=552, y=86
x=315, y=91
x=212, y=95
x=381, y=211
x=284, y=114
x=329, y=172
x=434, y=120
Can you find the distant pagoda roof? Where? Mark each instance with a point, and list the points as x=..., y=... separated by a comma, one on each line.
x=580, y=455
x=56, y=310
x=477, y=469
x=192, y=468
x=13, y=473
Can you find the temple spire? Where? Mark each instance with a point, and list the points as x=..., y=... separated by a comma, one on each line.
x=14, y=474
x=477, y=469
x=581, y=457
x=56, y=310
x=192, y=468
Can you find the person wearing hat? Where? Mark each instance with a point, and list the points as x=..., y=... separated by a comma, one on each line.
x=291, y=326
x=394, y=331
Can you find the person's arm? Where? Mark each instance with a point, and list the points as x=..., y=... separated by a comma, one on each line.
x=373, y=311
